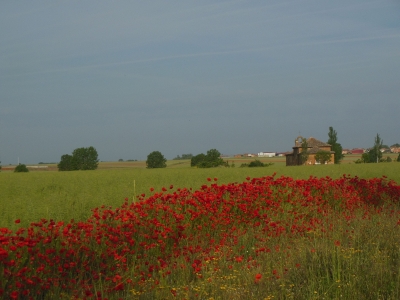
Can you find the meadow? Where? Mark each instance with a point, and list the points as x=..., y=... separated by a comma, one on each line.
x=72, y=195
x=308, y=232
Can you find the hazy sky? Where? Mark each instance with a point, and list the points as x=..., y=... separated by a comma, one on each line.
x=132, y=77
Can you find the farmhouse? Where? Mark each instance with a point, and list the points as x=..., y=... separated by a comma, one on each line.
x=313, y=147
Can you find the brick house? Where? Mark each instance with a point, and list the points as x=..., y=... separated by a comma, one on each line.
x=313, y=146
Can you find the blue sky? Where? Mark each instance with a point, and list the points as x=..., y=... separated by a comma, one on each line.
x=132, y=77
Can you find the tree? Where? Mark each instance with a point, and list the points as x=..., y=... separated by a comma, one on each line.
x=365, y=158
x=195, y=160
x=210, y=160
x=85, y=158
x=304, y=151
x=375, y=153
x=156, y=160
x=66, y=163
x=336, y=147
x=398, y=158
x=81, y=159
x=323, y=156
x=21, y=168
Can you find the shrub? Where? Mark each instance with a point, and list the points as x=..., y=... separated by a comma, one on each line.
x=21, y=168
x=256, y=163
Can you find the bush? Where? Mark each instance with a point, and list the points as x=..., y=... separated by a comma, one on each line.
x=256, y=163
x=21, y=168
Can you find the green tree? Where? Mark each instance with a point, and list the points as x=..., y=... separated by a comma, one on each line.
x=398, y=158
x=81, y=159
x=196, y=160
x=210, y=160
x=156, y=160
x=365, y=158
x=85, y=158
x=375, y=153
x=336, y=147
x=304, y=151
x=213, y=158
x=66, y=163
x=21, y=168
x=323, y=156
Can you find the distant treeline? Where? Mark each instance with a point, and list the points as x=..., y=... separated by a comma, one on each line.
x=184, y=156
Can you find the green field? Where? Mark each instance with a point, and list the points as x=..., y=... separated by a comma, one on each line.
x=262, y=239
x=71, y=195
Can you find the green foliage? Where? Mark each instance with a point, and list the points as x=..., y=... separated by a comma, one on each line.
x=375, y=153
x=210, y=160
x=156, y=160
x=387, y=159
x=256, y=163
x=21, y=168
x=66, y=163
x=364, y=159
x=304, y=151
x=336, y=147
x=398, y=158
x=323, y=156
x=197, y=159
x=81, y=159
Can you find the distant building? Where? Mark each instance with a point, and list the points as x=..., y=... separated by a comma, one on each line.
x=266, y=154
x=357, y=151
x=346, y=151
x=245, y=155
x=395, y=149
x=313, y=147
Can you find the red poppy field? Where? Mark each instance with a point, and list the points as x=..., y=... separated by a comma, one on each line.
x=266, y=238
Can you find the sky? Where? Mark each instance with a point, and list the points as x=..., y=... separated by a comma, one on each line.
x=132, y=77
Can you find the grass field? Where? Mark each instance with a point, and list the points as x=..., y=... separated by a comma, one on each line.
x=65, y=195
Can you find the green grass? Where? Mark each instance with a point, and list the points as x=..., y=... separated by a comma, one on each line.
x=71, y=195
